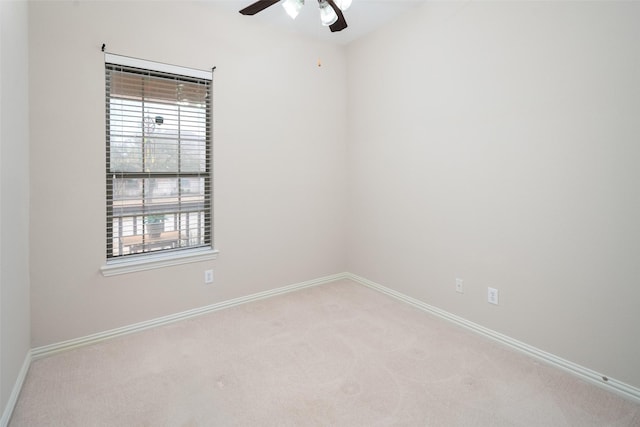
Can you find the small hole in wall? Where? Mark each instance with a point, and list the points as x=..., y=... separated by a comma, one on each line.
x=605, y=379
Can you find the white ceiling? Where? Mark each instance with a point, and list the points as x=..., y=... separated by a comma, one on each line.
x=362, y=17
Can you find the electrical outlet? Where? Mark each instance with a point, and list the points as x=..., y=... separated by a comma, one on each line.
x=459, y=286
x=208, y=276
x=492, y=296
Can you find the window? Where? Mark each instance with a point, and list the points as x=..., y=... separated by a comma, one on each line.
x=158, y=159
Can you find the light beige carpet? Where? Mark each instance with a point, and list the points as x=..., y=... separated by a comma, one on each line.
x=333, y=355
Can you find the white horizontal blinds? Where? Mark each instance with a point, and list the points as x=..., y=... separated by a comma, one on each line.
x=158, y=165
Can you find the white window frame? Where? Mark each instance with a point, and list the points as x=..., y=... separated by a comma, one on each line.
x=152, y=260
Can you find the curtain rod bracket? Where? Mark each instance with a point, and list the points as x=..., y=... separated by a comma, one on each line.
x=103, y=46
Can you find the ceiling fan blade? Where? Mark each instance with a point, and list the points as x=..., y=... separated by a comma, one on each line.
x=258, y=6
x=341, y=23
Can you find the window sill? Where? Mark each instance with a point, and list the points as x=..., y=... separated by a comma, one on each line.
x=153, y=261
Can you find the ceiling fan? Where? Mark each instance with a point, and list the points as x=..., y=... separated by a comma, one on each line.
x=330, y=11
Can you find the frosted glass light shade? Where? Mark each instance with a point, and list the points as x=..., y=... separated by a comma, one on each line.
x=327, y=14
x=293, y=7
x=343, y=4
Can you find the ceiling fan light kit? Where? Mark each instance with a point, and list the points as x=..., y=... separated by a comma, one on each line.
x=327, y=16
x=330, y=11
x=293, y=7
x=343, y=4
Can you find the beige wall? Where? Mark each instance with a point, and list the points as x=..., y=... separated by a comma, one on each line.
x=498, y=142
x=14, y=196
x=279, y=170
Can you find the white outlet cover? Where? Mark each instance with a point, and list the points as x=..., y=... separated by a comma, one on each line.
x=208, y=276
x=492, y=296
x=459, y=285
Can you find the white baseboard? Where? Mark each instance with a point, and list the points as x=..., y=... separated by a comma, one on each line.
x=15, y=392
x=48, y=350
x=587, y=374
